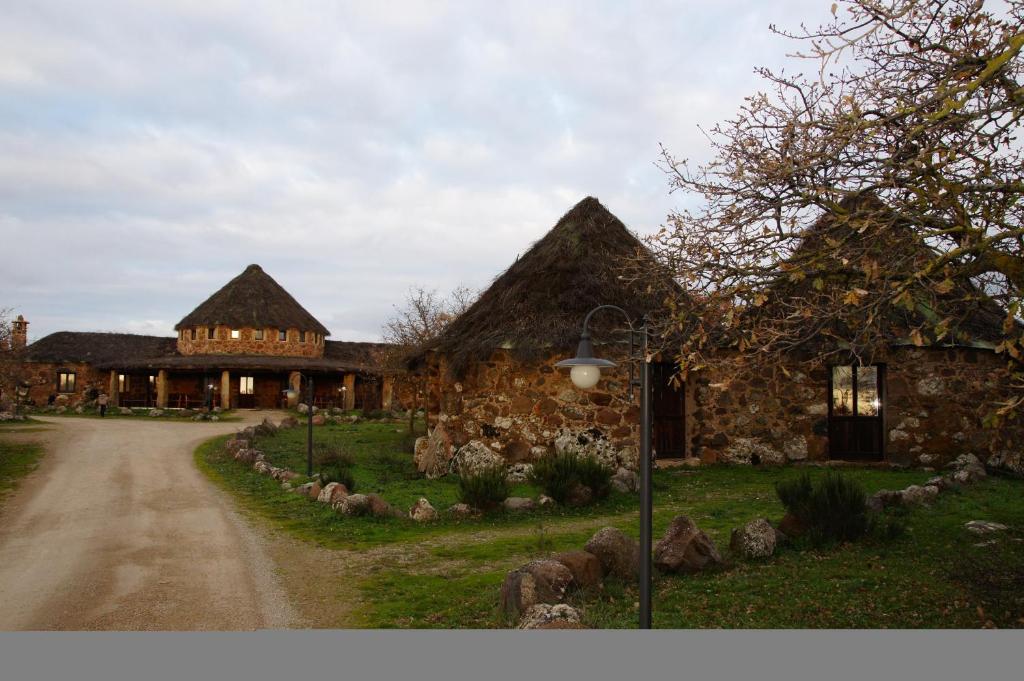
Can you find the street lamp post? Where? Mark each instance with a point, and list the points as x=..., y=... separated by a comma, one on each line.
x=585, y=372
x=309, y=421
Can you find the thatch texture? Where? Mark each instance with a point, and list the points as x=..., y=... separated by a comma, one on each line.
x=97, y=348
x=253, y=299
x=538, y=303
x=836, y=250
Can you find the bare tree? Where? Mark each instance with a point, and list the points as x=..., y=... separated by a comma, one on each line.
x=8, y=365
x=875, y=199
x=417, y=321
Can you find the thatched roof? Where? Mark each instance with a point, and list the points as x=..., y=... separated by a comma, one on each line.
x=538, y=303
x=869, y=230
x=253, y=299
x=97, y=348
x=128, y=351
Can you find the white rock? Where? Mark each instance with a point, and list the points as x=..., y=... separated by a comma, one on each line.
x=422, y=511
x=546, y=616
x=983, y=526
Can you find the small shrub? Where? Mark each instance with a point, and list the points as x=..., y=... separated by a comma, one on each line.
x=832, y=508
x=557, y=474
x=334, y=465
x=485, y=490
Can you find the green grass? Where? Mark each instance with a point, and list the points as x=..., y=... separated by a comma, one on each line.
x=112, y=413
x=16, y=461
x=933, y=576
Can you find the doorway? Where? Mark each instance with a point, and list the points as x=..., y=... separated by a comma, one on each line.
x=668, y=411
x=856, y=409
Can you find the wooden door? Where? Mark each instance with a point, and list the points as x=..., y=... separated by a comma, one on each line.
x=856, y=413
x=668, y=407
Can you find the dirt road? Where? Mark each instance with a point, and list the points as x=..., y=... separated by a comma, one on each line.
x=117, y=529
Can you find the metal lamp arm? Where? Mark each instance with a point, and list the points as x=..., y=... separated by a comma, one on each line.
x=586, y=320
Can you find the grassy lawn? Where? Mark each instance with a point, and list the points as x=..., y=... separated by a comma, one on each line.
x=447, y=574
x=114, y=413
x=16, y=461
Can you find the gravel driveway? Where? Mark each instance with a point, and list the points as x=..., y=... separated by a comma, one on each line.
x=117, y=529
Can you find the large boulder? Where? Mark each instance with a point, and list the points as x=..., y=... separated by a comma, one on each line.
x=302, y=408
x=625, y=481
x=519, y=504
x=266, y=427
x=461, y=511
x=756, y=539
x=618, y=553
x=380, y=508
x=309, y=489
x=685, y=548
x=319, y=420
x=585, y=568
x=540, y=581
x=331, y=492
x=473, y=458
x=433, y=453
x=593, y=443
x=519, y=473
x=288, y=422
x=751, y=450
x=353, y=504
x=547, y=616
x=422, y=511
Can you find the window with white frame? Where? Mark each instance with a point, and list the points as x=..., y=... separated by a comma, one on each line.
x=245, y=385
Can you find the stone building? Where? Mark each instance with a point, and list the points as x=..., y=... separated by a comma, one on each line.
x=492, y=379
x=491, y=375
x=244, y=347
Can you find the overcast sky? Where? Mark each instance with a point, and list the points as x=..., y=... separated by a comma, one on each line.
x=150, y=151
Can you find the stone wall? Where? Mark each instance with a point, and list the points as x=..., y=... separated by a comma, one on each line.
x=523, y=409
x=935, y=402
x=246, y=344
x=41, y=378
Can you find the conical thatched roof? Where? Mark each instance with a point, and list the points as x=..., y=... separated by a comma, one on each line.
x=538, y=303
x=253, y=299
x=835, y=251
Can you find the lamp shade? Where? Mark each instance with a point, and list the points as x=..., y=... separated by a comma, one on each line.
x=584, y=368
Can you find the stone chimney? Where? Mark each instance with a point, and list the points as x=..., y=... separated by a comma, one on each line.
x=19, y=333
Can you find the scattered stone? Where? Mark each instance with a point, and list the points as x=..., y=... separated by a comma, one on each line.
x=154, y=412
x=422, y=511
x=882, y=499
x=306, y=489
x=579, y=495
x=326, y=495
x=319, y=420
x=625, y=481
x=433, y=453
x=685, y=548
x=125, y=411
x=286, y=486
x=544, y=500
x=288, y=422
x=353, y=504
x=584, y=566
x=754, y=540
x=261, y=467
x=618, y=553
x=463, y=511
x=984, y=526
x=519, y=473
x=378, y=507
x=516, y=504
x=215, y=418
x=302, y=408
x=963, y=477
x=235, y=444
x=267, y=427
x=692, y=462
x=473, y=458
x=540, y=581
x=913, y=495
x=547, y=616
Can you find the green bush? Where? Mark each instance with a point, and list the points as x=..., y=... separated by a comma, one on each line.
x=335, y=465
x=557, y=474
x=831, y=508
x=595, y=475
x=485, y=490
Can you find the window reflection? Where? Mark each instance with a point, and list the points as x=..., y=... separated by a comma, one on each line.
x=867, y=391
x=842, y=391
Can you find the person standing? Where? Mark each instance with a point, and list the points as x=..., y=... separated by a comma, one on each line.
x=102, y=402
